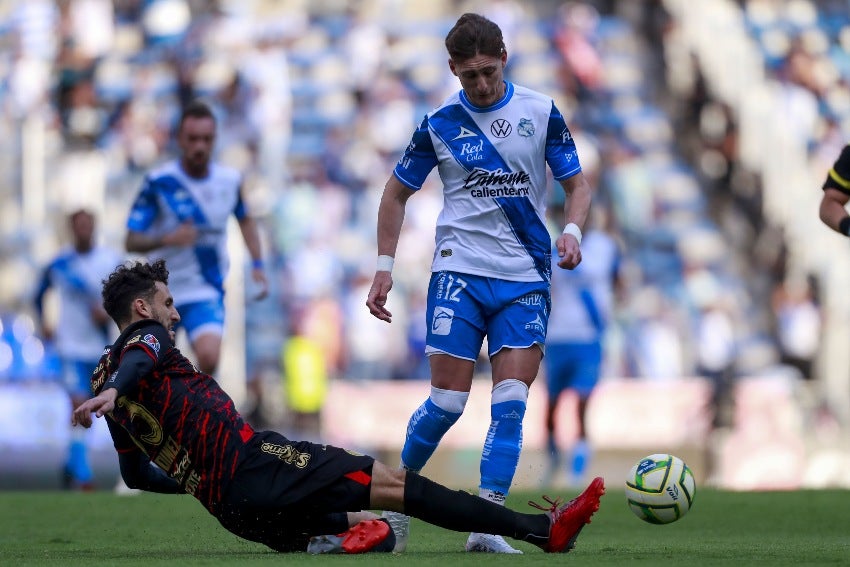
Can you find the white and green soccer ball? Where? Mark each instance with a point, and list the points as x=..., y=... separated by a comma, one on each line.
x=660, y=488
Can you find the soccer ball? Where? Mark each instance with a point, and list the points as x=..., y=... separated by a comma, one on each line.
x=660, y=488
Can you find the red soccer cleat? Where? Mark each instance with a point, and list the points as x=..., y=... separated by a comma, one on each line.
x=368, y=535
x=569, y=519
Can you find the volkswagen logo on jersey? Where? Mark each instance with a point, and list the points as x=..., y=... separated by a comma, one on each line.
x=501, y=128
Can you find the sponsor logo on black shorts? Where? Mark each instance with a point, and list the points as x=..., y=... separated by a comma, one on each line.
x=287, y=454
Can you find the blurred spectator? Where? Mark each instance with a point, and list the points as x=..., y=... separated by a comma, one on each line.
x=353, y=88
x=88, y=26
x=798, y=323
x=582, y=65
x=266, y=69
x=655, y=341
x=374, y=348
x=363, y=44
x=716, y=351
x=35, y=29
x=305, y=378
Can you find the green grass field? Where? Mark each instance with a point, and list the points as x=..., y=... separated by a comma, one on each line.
x=784, y=528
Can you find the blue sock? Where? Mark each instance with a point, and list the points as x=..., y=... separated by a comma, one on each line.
x=78, y=463
x=426, y=427
x=500, y=456
x=581, y=455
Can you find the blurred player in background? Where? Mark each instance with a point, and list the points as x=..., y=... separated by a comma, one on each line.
x=261, y=486
x=181, y=215
x=490, y=142
x=82, y=328
x=582, y=301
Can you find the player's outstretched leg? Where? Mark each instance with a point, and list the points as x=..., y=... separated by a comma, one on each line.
x=555, y=530
x=568, y=520
x=366, y=536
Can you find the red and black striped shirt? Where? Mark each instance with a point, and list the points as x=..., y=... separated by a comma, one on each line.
x=181, y=418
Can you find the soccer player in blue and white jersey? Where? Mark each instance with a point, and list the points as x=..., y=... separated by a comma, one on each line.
x=82, y=329
x=181, y=216
x=582, y=306
x=491, y=143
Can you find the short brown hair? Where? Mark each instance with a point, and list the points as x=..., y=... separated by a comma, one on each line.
x=473, y=34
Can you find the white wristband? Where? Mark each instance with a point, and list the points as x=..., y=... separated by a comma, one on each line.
x=573, y=229
x=385, y=263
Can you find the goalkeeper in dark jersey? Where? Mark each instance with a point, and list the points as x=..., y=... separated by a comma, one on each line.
x=177, y=431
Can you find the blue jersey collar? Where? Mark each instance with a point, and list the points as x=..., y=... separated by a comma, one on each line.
x=509, y=91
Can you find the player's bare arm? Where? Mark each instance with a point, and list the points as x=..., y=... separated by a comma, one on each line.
x=576, y=209
x=184, y=235
x=832, y=208
x=390, y=218
x=251, y=236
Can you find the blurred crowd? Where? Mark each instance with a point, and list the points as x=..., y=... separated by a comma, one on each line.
x=316, y=101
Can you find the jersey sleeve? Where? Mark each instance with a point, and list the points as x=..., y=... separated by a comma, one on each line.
x=839, y=175
x=418, y=160
x=120, y=438
x=561, y=154
x=144, y=209
x=44, y=284
x=240, y=211
x=151, y=339
x=138, y=356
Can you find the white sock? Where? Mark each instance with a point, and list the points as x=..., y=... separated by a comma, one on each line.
x=492, y=496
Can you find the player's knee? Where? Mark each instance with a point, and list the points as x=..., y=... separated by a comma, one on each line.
x=507, y=409
x=207, y=349
x=449, y=401
x=510, y=390
x=207, y=358
x=208, y=364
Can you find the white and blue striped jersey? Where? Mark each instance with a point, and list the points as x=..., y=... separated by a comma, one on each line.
x=582, y=298
x=170, y=197
x=492, y=163
x=77, y=279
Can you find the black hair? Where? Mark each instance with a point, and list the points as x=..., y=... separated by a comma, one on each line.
x=474, y=34
x=72, y=216
x=129, y=282
x=195, y=109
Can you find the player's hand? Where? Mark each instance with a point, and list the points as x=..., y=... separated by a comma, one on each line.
x=381, y=286
x=185, y=235
x=569, y=252
x=259, y=277
x=101, y=404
